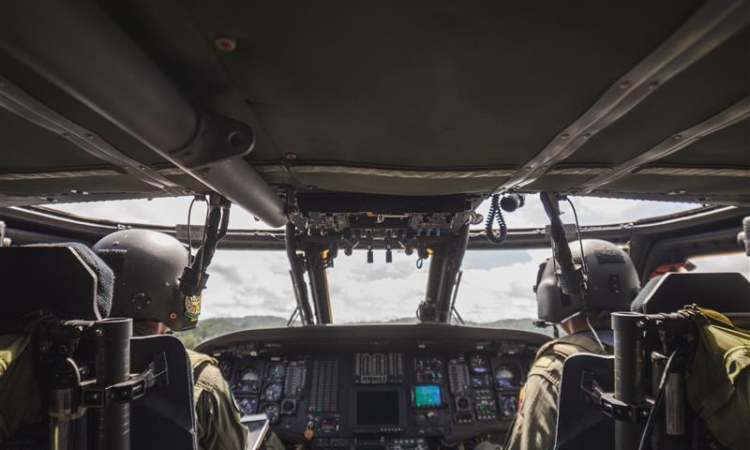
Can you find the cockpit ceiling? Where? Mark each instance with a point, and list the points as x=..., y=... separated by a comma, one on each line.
x=646, y=100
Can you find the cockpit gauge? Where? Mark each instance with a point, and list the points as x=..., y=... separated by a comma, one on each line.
x=271, y=410
x=273, y=392
x=276, y=371
x=248, y=379
x=508, y=406
x=428, y=370
x=508, y=376
x=478, y=364
x=225, y=365
x=480, y=381
x=247, y=405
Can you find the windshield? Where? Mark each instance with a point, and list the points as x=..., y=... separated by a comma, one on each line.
x=171, y=211
x=496, y=287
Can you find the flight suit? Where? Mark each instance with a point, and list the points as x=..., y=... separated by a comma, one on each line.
x=535, y=424
x=217, y=418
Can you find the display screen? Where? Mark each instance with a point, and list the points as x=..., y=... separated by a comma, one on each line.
x=427, y=396
x=378, y=408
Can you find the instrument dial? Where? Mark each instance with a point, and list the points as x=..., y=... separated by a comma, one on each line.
x=480, y=381
x=273, y=392
x=271, y=411
x=276, y=371
x=248, y=380
x=247, y=405
x=478, y=364
x=225, y=365
x=508, y=376
x=508, y=407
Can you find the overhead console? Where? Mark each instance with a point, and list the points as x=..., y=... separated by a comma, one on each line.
x=378, y=387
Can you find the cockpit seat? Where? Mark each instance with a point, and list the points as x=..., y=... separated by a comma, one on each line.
x=70, y=282
x=724, y=292
x=66, y=281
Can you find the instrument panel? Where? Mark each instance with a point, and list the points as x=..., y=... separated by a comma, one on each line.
x=390, y=392
x=384, y=396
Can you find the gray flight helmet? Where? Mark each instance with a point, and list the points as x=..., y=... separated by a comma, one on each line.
x=612, y=283
x=147, y=266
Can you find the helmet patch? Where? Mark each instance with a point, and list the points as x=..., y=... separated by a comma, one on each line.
x=193, y=307
x=609, y=256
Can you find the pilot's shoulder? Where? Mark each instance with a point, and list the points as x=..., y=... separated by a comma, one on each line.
x=549, y=356
x=206, y=372
x=554, y=353
x=567, y=346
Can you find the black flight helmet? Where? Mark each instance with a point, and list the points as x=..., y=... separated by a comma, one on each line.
x=612, y=283
x=147, y=266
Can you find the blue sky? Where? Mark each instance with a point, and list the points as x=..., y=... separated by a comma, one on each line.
x=496, y=284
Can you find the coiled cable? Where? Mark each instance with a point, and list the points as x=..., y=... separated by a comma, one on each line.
x=495, y=214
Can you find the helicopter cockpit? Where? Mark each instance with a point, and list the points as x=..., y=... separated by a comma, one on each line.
x=421, y=131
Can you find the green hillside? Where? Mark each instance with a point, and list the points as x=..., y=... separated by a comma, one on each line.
x=208, y=328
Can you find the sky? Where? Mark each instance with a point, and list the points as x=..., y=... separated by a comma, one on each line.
x=495, y=285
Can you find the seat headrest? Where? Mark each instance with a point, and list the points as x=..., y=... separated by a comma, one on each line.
x=724, y=292
x=68, y=279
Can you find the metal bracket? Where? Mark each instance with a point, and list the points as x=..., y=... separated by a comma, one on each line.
x=93, y=396
x=218, y=139
x=625, y=412
x=591, y=389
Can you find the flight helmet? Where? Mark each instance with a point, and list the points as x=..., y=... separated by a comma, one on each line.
x=147, y=266
x=612, y=283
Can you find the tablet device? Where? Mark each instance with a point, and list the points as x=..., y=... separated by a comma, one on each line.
x=257, y=425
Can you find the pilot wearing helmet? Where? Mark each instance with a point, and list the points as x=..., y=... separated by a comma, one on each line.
x=612, y=284
x=147, y=265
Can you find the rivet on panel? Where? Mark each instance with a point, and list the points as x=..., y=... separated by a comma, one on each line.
x=225, y=44
x=624, y=85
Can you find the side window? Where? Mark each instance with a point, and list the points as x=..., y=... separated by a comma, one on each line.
x=728, y=262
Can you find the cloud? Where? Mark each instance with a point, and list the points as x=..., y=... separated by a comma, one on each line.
x=496, y=284
x=735, y=262
x=229, y=273
x=488, y=259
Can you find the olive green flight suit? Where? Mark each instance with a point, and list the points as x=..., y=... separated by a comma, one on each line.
x=20, y=401
x=534, y=427
x=217, y=418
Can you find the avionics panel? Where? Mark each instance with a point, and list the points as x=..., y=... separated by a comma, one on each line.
x=370, y=388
